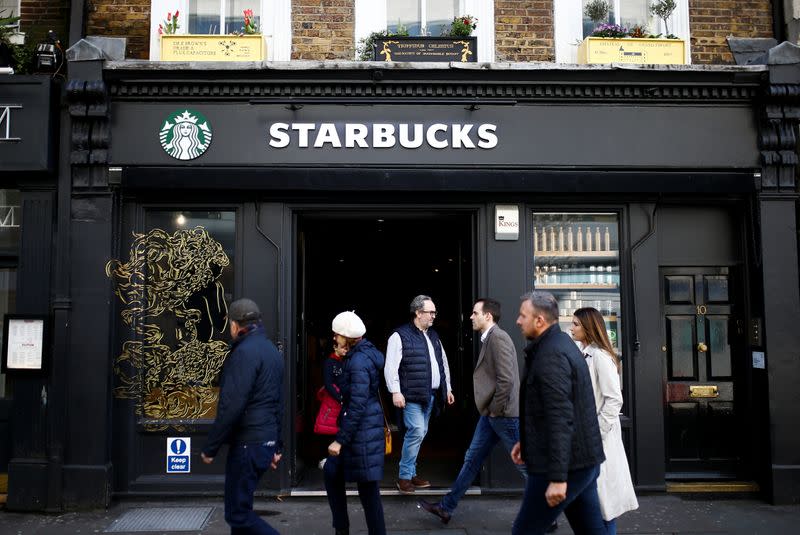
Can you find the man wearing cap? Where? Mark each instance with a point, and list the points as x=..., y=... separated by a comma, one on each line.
x=248, y=416
x=418, y=377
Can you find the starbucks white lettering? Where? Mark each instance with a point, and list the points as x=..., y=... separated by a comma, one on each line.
x=383, y=135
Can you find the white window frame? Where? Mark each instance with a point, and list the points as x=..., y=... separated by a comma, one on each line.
x=568, y=21
x=370, y=17
x=276, y=25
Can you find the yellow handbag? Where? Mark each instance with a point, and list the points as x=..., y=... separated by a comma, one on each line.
x=387, y=431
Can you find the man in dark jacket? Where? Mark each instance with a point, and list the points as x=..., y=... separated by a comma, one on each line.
x=248, y=416
x=560, y=439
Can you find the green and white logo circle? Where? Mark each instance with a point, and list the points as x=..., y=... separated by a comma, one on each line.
x=185, y=135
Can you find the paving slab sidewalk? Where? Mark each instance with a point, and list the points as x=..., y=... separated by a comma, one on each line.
x=477, y=515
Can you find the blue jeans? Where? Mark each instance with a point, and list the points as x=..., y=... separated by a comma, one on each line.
x=582, y=507
x=369, y=493
x=488, y=433
x=245, y=466
x=611, y=526
x=415, y=418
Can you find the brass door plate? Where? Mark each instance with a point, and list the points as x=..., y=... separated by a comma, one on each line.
x=703, y=391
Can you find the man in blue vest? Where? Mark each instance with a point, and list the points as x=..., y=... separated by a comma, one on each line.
x=418, y=377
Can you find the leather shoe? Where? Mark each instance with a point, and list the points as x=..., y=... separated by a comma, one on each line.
x=405, y=486
x=553, y=527
x=420, y=483
x=436, y=510
x=345, y=531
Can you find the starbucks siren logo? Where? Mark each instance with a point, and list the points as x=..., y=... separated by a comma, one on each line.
x=185, y=135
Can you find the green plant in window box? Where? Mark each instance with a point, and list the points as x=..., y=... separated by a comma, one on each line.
x=16, y=55
x=462, y=26
x=663, y=9
x=366, y=44
x=597, y=11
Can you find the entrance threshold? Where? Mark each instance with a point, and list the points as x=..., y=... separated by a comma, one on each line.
x=300, y=493
x=713, y=486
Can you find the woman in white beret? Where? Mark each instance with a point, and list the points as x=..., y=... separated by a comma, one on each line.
x=358, y=451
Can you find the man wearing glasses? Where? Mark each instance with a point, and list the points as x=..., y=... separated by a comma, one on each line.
x=418, y=377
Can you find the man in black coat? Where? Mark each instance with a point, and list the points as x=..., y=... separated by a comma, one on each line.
x=560, y=439
x=248, y=416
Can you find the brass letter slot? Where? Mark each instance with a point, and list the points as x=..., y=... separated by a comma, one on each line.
x=703, y=391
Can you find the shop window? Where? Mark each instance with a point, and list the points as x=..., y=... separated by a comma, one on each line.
x=8, y=302
x=10, y=219
x=426, y=17
x=572, y=25
x=173, y=288
x=273, y=18
x=577, y=259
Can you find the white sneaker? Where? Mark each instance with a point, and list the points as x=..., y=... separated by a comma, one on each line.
x=322, y=463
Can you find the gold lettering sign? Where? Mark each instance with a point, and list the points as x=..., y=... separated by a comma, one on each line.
x=703, y=391
x=425, y=49
x=212, y=48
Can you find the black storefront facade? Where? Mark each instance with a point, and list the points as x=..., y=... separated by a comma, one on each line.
x=665, y=198
x=29, y=141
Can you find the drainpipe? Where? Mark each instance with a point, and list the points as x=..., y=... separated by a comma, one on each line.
x=77, y=21
x=786, y=20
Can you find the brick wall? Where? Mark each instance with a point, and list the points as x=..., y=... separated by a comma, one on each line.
x=712, y=21
x=122, y=18
x=524, y=30
x=323, y=29
x=39, y=16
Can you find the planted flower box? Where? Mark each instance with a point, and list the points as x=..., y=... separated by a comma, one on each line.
x=632, y=50
x=396, y=48
x=213, y=48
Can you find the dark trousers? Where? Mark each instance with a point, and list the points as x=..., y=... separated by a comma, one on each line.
x=488, y=433
x=369, y=493
x=582, y=507
x=245, y=466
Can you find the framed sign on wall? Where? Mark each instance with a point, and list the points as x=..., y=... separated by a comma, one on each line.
x=24, y=348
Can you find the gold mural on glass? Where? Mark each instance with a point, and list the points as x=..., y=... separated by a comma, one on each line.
x=175, y=306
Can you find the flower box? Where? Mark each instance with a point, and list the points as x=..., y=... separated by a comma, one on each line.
x=213, y=48
x=632, y=50
x=395, y=48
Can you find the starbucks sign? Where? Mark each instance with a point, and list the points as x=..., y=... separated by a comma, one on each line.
x=185, y=135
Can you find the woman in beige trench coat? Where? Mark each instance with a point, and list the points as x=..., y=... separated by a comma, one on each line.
x=614, y=485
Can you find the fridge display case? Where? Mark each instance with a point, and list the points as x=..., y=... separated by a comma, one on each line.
x=576, y=258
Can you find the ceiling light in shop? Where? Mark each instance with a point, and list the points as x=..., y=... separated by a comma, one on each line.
x=180, y=220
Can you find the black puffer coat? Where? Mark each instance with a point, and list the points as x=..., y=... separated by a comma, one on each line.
x=361, y=420
x=558, y=420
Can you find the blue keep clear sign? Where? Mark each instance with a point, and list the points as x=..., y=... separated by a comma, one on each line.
x=179, y=451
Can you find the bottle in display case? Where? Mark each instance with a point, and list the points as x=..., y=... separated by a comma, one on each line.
x=576, y=258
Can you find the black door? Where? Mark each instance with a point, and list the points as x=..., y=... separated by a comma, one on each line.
x=702, y=348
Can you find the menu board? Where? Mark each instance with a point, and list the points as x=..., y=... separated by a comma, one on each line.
x=24, y=344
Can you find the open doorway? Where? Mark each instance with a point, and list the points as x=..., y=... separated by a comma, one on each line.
x=375, y=263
